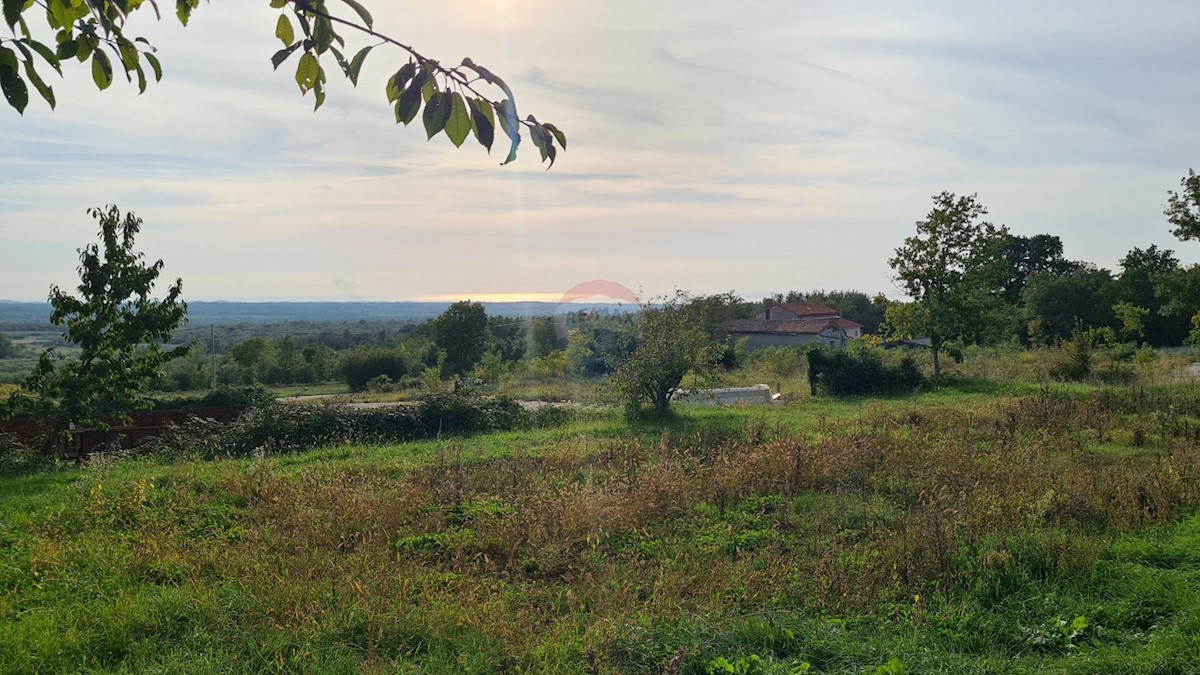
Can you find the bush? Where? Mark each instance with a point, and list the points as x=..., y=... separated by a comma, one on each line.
x=859, y=372
x=361, y=364
x=221, y=397
x=280, y=428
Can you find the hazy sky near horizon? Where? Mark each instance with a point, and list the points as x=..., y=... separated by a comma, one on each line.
x=755, y=146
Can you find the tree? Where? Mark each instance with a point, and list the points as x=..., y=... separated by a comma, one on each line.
x=671, y=343
x=1132, y=319
x=89, y=30
x=1024, y=257
x=461, y=332
x=1183, y=207
x=948, y=268
x=362, y=364
x=1054, y=306
x=118, y=328
x=1143, y=273
x=6, y=347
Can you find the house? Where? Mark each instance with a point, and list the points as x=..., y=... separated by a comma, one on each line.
x=795, y=323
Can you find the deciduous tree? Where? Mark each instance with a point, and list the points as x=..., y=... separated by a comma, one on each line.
x=948, y=268
x=118, y=327
x=462, y=333
x=463, y=100
x=1183, y=207
x=671, y=343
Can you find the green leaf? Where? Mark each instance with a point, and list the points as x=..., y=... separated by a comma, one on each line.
x=484, y=122
x=278, y=4
x=67, y=49
x=323, y=34
x=15, y=91
x=437, y=113
x=45, y=53
x=282, y=55
x=284, y=30
x=43, y=89
x=101, y=69
x=558, y=135
x=86, y=46
x=341, y=61
x=397, y=82
x=307, y=72
x=362, y=12
x=155, y=65
x=356, y=63
x=507, y=112
x=319, y=92
x=539, y=137
x=429, y=89
x=408, y=105
x=141, y=75
x=128, y=53
x=12, y=11
x=458, y=125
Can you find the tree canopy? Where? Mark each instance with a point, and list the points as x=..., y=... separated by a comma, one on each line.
x=949, y=268
x=458, y=100
x=1183, y=207
x=118, y=327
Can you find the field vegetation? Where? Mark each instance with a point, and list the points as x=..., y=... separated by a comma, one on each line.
x=961, y=530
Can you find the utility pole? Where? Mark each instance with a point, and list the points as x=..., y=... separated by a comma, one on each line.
x=212, y=353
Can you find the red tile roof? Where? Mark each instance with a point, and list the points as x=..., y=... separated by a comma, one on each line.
x=803, y=309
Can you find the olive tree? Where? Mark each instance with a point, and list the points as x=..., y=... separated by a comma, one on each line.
x=118, y=327
x=460, y=100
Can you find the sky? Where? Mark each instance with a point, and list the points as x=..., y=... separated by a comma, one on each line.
x=757, y=146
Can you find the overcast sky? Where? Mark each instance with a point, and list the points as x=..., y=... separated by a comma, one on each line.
x=755, y=146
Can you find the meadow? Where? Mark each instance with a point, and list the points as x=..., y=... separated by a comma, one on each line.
x=971, y=529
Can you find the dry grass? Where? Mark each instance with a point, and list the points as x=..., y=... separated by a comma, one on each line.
x=593, y=552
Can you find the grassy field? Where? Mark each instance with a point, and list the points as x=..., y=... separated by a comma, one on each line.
x=963, y=530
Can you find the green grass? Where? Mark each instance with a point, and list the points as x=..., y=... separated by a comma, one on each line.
x=969, y=529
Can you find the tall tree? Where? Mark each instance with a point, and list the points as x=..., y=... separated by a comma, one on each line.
x=948, y=268
x=1143, y=275
x=460, y=100
x=1024, y=257
x=462, y=333
x=119, y=329
x=1054, y=305
x=1183, y=207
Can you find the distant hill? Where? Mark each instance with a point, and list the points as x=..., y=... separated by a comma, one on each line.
x=30, y=315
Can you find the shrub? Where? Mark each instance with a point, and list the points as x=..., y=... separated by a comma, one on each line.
x=859, y=372
x=279, y=428
x=221, y=397
x=360, y=364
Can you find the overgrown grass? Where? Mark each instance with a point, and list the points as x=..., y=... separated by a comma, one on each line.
x=1048, y=530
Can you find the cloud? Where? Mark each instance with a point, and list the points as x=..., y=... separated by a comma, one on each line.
x=759, y=145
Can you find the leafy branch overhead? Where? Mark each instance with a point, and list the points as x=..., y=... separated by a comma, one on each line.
x=459, y=101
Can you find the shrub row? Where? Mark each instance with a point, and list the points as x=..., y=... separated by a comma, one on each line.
x=845, y=372
x=276, y=428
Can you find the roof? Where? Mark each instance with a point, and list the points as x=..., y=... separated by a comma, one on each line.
x=803, y=309
x=786, y=327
